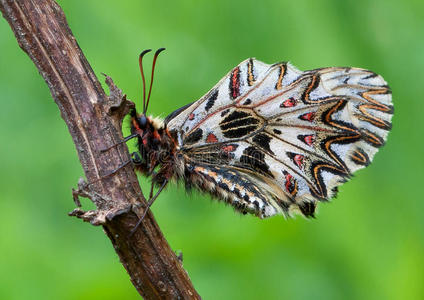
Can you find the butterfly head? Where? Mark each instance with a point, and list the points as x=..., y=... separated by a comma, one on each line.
x=147, y=128
x=149, y=131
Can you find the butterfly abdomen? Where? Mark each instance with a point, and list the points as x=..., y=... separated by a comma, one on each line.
x=232, y=187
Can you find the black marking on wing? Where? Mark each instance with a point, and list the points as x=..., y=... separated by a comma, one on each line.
x=254, y=159
x=238, y=124
x=236, y=118
x=307, y=209
x=372, y=138
x=194, y=137
x=225, y=112
x=316, y=169
x=247, y=102
x=360, y=157
x=211, y=100
x=176, y=113
x=263, y=140
x=239, y=132
x=372, y=75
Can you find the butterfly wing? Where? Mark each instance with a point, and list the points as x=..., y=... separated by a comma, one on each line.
x=294, y=136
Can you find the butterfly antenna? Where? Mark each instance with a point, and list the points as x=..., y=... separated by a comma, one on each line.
x=140, y=62
x=153, y=72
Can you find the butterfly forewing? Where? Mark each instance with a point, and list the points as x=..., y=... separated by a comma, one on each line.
x=291, y=136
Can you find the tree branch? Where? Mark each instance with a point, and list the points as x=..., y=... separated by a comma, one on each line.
x=94, y=121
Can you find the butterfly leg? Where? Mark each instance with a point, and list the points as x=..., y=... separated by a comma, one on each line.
x=149, y=204
x=126, y=139
x=135, y=160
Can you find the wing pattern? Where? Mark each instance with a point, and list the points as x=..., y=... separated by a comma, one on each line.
x=272, y=139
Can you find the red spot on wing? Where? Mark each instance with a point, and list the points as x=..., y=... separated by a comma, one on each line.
x=298, y=159
x=191, y=117
x=290, y=184
x=289, y=103
x=211, y=138
x=229, y=148
x=309, y=139
x=235, y=83
x=226, y=151
x=308, y=116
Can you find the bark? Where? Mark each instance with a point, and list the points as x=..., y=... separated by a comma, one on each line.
x=94, y=122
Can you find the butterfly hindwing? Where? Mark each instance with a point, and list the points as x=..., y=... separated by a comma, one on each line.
x=294, y=135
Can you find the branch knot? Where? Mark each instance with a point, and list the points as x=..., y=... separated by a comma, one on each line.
x=118, y=104
x=98, y=216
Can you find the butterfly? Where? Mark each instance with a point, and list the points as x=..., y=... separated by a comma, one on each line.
x=267, y=139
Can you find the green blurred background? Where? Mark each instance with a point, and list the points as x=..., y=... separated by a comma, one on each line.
x=367, y=244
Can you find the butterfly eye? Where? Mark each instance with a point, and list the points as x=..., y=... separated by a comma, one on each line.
x=142, y=120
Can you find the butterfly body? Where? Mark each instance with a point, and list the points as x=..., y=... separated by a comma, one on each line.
x=270, y=139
